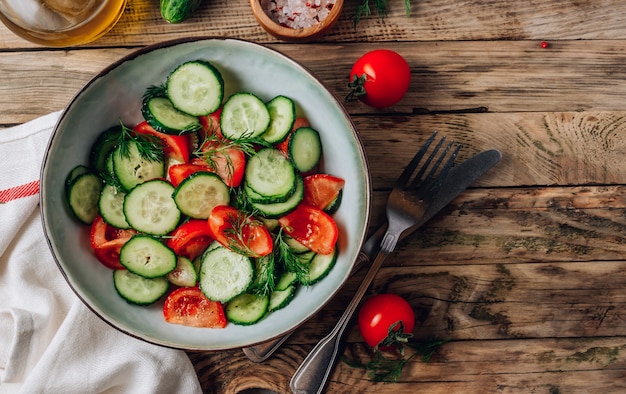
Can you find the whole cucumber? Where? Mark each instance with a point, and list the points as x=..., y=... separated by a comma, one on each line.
x=176, y=11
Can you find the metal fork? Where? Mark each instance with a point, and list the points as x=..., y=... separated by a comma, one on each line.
x=406, y=205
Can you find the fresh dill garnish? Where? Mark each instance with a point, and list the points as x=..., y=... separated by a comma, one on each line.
x=290, y=261
x=155, y=91
x=363, y=9
x=149, y=147
x=235, y=234
x=214, y=149
x=264, y=281
x=387, y=366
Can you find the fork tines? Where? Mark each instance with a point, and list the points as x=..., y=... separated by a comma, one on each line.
x=436, y=173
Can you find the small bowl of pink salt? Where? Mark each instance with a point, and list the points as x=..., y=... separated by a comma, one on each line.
x=297, y=20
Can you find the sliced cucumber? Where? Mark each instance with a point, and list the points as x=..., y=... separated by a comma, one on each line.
x=296, y=246
x=131, y=168
x=150, y=208
x=225, y=274
x=286, y=279
x=334, y=204
x=305, y=149
x=270, y=175
x=196, y=88
x=137, y=289
x=83, y=194
x=184, y=274
x=73, y=174
x=198, y=194
x=319, y=267
x=103, y=147
x=281, y=298
x=278, y=209
x=247, y=308
x=244, y=115
x=111, y=206
x=162, y=116
x=282, y=117
x=146, y=256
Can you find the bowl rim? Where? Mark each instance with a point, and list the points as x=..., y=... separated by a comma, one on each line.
x=129, y=57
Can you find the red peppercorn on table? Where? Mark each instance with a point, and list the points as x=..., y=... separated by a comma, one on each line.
x=524, y=274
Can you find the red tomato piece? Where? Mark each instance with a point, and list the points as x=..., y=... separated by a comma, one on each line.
x=228, y=162
x=190, y=239
x=321, y=189
x=380, y=78
x=240, y=232
x=177, y=147
x=312, y=227
x=178, y=172
x=190, y=307
x=382, y=311
x=211, y=124
x=107, y=241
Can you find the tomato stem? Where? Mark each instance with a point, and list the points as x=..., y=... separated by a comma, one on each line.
x=357, y=88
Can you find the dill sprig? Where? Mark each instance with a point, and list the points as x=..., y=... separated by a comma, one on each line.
x=155, y=91
x=264, y=281
x=363, y=9
x=387, y=366
x=291, y=261
x=235, y=233
x=149, y=147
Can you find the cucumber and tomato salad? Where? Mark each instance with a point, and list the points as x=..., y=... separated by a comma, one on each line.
x=209, y=202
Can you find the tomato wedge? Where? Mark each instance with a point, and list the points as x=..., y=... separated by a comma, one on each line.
x=178, y=172
x=211, y=124
x=320, y=190
x=240, y=232
x=107, y=241
x=312, y=227
x=190, y=239
x=227, y=161
x=177, y=147
x=190, y=307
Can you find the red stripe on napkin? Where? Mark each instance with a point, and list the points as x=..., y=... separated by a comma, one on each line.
x=17, y=192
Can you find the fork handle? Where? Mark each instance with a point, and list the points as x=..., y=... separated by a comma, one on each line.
x=314, y=371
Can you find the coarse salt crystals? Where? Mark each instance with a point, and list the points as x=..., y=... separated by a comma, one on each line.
x=298, y=14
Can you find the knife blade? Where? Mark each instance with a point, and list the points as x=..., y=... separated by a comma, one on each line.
x=459, y=178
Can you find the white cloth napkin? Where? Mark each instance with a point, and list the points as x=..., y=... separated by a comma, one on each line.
x=49, y=341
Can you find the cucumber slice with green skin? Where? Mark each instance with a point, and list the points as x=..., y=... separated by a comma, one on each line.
x=131, y=168
x=111, y=206
x=103, y=147
x=198, y=194
x=83, y=194
x=334, y=204
x=319, y=267
x=162, y=116
x=270, y=175
x=244, y=115
x=225, y=274
x=73, y=174
x=278, y=209
x=247, y=308
x=286, y=279
x=281, y=298
x=305, y=149
x=185, y=274
x=150, y=208
x=295, y=246
x=196, y=88
x=139, y=290
x=148, y=257
x=282, y=111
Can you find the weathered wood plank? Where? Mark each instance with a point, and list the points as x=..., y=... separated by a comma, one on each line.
x=478, y=76
x=507, y=366
x=430, y=20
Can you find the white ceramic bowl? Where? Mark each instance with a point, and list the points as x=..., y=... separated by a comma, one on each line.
x=114, y=95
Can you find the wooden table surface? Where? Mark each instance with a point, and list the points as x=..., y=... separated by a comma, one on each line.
x=525, y=272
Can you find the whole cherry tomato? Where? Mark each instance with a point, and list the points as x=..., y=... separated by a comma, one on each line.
x=382, y=311
x=380, y=78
